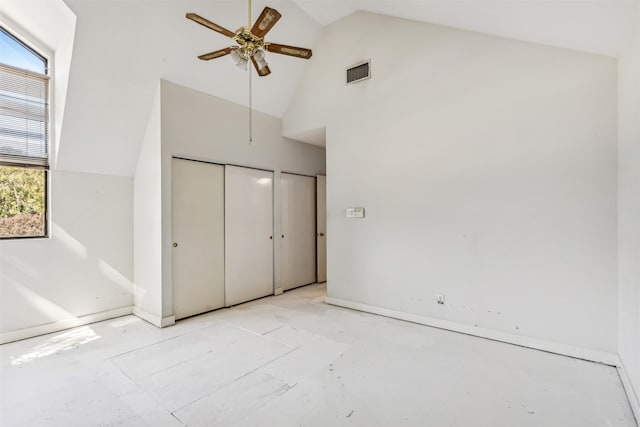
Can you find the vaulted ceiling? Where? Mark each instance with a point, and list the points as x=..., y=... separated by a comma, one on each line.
x=122, y=48
x=134, y=39
x=600, y=26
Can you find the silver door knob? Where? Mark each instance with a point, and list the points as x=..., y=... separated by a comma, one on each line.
x=175, y=245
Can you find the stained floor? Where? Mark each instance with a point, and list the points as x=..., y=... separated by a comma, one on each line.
x=292, y=360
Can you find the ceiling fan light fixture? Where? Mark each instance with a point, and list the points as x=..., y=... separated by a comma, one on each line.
x=258, y=55
x=239, y=59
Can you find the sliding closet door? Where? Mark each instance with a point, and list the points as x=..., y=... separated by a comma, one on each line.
x=249, y=238
x=322, y=227
x=298, y=238
x=198, y=237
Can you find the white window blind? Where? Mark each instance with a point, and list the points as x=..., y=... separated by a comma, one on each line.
x=24, y=117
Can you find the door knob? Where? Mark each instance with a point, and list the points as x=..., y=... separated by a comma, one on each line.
x=283, y=236
x=270, y=237
x=320, y=234
x=175, y=245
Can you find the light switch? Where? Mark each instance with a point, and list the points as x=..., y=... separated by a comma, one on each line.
x=355, y=212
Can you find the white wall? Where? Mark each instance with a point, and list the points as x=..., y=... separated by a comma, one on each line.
x=83, y=272
x=203, y=127
x=147, y=220
x=487, y=168
x=84, y=269
x=629, y=212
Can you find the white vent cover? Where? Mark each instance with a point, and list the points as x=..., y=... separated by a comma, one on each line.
x=358, y=72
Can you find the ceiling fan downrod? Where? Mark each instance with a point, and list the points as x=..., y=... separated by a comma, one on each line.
x=250, y=88
x=250, y=110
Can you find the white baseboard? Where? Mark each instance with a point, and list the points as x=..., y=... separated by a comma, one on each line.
x=168, y=321
x=160, y=322
x=634, y=398
x=506, y=337
x=61, y=325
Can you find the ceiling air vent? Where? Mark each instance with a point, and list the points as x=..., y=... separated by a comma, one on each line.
x=358, y=72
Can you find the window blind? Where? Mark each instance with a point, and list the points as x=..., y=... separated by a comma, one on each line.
x=24, y=117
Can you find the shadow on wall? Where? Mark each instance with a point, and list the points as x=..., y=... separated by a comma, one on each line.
x=58, y=282
x=84, y=268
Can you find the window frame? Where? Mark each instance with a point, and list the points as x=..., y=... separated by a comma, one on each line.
x=27, y=44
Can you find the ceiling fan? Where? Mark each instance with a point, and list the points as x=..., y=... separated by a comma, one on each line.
x=250, y=40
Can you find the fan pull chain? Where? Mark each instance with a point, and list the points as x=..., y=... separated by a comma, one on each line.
x=250, y=109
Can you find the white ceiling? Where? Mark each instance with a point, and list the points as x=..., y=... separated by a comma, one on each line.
x=600, y=26
x=135, y=40
x=123, y=47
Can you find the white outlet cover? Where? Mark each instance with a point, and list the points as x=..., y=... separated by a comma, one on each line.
x=355, y=212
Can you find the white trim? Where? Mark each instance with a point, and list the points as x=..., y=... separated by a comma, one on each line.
x=153, y=319
x=168, y=321
x=61, y=325
x=634, y=398
x=506, y=337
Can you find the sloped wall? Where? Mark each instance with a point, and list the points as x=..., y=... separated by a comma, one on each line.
x=123, y=48
x=487, y=169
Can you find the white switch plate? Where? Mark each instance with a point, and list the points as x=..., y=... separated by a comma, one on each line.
x=355, y=212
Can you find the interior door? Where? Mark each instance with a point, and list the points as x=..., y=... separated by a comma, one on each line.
x=321, y=224
x=249, y=234
x=198, y=237
x=298, y=238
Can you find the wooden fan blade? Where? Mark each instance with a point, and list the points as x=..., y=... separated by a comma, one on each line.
x=264, y=72
x=216, y=54
x=205, y=22
x=298, y=52
x=265, y=22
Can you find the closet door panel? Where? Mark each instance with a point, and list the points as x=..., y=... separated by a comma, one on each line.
x=298, y=238
x=249, y=234
x=198, y=237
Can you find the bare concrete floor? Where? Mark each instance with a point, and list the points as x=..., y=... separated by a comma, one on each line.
x=292, y=360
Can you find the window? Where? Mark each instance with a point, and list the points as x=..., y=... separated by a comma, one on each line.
x=24, y=139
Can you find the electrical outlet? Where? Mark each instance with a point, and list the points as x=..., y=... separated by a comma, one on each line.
x=440, y=299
